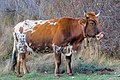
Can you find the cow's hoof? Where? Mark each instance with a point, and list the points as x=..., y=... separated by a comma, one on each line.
x=70, y=74
x=58, y=75
x=19, y=75
x=27, y=72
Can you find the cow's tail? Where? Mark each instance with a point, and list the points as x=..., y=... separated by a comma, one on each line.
x=14, y=57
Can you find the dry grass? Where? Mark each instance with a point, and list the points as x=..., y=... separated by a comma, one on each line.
x=92, y=53
x=6, y=42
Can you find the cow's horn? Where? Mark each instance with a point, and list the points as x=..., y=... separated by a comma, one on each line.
x=85, y=14
x=97, y=14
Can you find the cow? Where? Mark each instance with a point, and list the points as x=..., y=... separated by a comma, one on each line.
x=62, y=35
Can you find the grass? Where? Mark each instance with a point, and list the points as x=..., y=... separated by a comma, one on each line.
x=42, y=76
x=80, y=73
x=82, y=70
x=87, y=67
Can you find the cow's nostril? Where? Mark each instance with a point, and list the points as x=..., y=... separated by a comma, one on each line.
x=97, y=36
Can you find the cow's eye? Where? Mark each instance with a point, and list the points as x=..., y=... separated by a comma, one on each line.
x=92, y=22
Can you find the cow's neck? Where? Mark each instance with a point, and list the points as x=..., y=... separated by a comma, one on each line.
x=78, y=38
x=81, y=38
x=83, y=25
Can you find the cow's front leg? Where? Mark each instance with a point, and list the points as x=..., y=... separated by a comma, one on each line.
x=69, y=51
x=68, y=62
x=57, y=56
x=57, y=63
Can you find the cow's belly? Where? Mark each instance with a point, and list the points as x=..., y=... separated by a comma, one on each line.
x=40, y=46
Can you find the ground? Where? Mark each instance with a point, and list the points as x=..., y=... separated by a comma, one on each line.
x=43, y=76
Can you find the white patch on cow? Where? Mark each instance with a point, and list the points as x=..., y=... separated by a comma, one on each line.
x=42, y=21
x=69, y=50
x=31, y=24
x=21, y=42
x=55, y=23
x=30, y=44
x=20, y=47
x=29, y=27
x=21, y=37
x=57, y=49
x=28, y=48
x=52, y=23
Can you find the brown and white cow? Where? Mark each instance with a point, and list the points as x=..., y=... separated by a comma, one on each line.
x=57, y=34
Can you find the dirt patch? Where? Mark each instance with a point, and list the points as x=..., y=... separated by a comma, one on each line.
x=99, y=71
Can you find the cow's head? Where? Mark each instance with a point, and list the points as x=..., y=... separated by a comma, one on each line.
x=93, y=28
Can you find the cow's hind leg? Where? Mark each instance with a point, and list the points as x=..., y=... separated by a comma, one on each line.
x=68, y=62
x=17, y=70
x=24, y=64
x=21, y=59
x=57, y=63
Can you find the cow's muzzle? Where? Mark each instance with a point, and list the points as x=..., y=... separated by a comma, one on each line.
x=100, y=35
